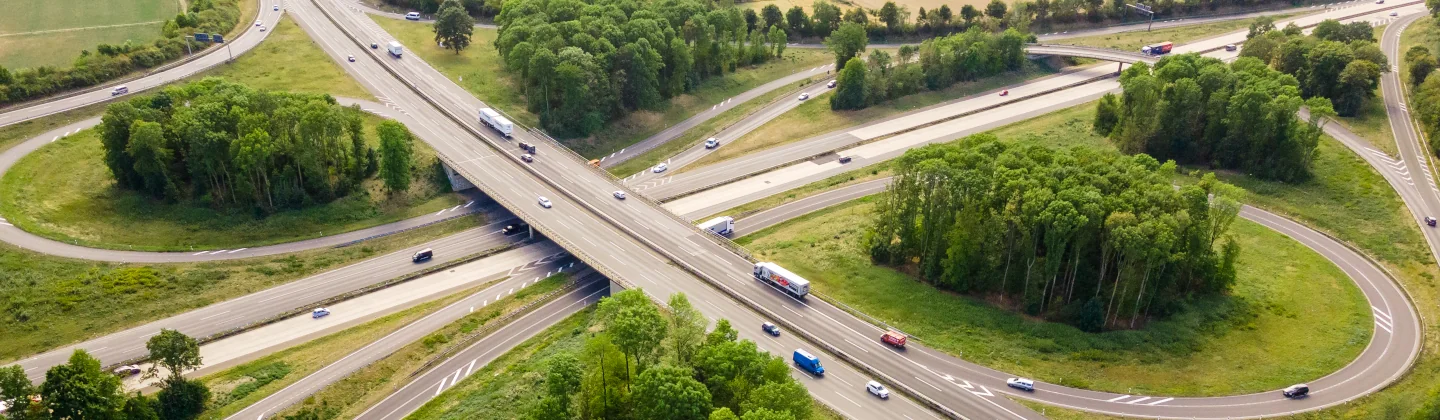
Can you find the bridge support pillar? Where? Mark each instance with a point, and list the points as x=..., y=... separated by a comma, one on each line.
x=457, y=182
x=1119, y=67
x=615, y=288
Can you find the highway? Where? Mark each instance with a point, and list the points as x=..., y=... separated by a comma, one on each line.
x=1422, y=197
x=475, y=203
x=239, y=45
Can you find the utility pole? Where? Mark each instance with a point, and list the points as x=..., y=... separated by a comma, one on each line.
x=1146, y=10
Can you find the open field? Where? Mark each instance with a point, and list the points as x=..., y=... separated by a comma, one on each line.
x=65, y=192
x=356, y=392
x=480, y=70
x=289, y=60
x=56, y=301
x=1286, y=297
x=1133, y=40
x=53, y=32
x=815, y=117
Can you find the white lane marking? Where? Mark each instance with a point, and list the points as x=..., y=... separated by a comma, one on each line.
x=440, y=387
x=850, y=400
x=467, y=205
x=1137, y=400
x=438, y=212
x=856, y=345
x=212, y=316
x=928, y=383
x=468, y=368
x=1118, y=398
x=238, y=250
x=457, y=207
x=1158, y=401
x=200, y=253
x=793, y=311
x=1383, y=327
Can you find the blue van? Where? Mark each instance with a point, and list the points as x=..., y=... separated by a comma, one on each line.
x=809, y=363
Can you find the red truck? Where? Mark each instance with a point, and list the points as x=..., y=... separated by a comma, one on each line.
x=894, y=339
x=1158, y=49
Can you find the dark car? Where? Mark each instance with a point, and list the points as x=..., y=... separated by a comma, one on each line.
x=1430, y=221
x=845, y=159
x=770, y=329
x=422, y=256
x=1296, y=391
x=374, y=45
x=514, y=229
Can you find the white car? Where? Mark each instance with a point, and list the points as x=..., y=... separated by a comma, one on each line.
x=619, y=195
x=257, y=22
x=319, y=312
x=660, y=168
x=127, y=370
x=804, y=96
x=712, y=143
x=545, y=202
x=1021, y=384
x=527, y=157
x=262, y=29
x=831, y=84
x=877, y=390
x=1394, y=13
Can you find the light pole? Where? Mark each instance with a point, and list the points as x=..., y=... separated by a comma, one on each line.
x=1146, y=10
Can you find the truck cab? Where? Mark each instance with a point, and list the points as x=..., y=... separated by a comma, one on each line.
x=808, y=362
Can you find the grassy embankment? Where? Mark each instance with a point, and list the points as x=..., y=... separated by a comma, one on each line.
x=63, y=191
x=241, y=386
x=52, y=33
x=480, y=70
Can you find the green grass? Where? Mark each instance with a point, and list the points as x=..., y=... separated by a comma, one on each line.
x=288, y=60
x=815, y=117
x=509, y=386
x=480, y=70
x=64, y=192
x=1287, y=296
x=56, y=301
x=360, y=389
x=21, y=47
x=1372, y=124
x=1133, y=40
x=836, y=182
x=699, y=133
x=17, y=133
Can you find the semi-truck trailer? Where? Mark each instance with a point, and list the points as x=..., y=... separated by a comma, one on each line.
x=808, y=362
x=395, y=49
x=493, y=119
x=723, y=225
x=779, y=276
x=1158, y=49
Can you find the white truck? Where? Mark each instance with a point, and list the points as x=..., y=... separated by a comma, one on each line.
x=395, y=49
x=723, y=225
x=779, y=276
x=496, y=121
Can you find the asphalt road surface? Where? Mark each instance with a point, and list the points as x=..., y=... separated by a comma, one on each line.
x=475, y=203
x=216, y=56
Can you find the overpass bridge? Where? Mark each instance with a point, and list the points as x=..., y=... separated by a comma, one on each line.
x=1106, y=54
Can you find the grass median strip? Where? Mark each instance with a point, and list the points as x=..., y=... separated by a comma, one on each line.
x=288, y=60
x=1134, y=39
x=358, y=390
x=57, y=301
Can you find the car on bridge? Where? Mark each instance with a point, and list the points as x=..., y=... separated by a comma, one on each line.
x=877, y=390
x=619, y=195
x=527, y=158
x=545, y=202
x=771, y=329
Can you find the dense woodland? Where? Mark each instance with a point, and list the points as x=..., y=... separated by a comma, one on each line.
x=586, y=63
x=1425, y=89
x=228, y=145
x=1199, y=110
x=647, y=365
x=936, y=64
x=1094, y=238
x=82, y=389
x=109, y=62
x=1339, y=62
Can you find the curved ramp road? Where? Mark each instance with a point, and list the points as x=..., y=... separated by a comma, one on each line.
x=239, y=45
x=475, y=203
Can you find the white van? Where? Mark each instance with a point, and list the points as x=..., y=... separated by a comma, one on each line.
x=412, y=16
x=119, y=91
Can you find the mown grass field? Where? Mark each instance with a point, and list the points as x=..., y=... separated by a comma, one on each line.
x=1133, y=40
x=480, y=70
x=1287, y=297
x=77, y=25
x=57, y=301
x=65, y=192
x=289, y=60
x=357, y=391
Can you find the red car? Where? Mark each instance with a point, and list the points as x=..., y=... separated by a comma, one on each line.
x=894, y=339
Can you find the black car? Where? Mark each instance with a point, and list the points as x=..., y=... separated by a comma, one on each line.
x=422, y=256
x=845, y=159
x=515, y=228
x=770, y=329
x=527, y=147
x=1430, y=221
x=1296, y=391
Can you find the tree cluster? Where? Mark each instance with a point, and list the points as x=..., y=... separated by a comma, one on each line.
x=80, y=389
x=1199, y=110
x=1339, y=62
x=936, y=64
x=481, y=8
x=110, y=62
x=1426, y=92
x=648, y=365
x=1082, y=236
x=584, y=63
x=226, y=144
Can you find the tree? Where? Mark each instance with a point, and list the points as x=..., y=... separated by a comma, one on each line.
x=1107, y=114
x=563, y=379
x=453, y=26
x=634, y=323
x=78, y=389
x=152, y=159
x=785, y=397
x=687, y=328
x=722, y=333
x=969, y=13
x=1260, y=26
x=847, y=43
x=850, y=92
x=396, y=155
x=798, y=21
x=996, y=9
x=1357, y=84
x=765, y=414
x=890, y=16
x=182, y=399
x=1420, y=68
x=174, y=351
x=723, y=413
x=826, y=16
x=139, y=407
x=15, y=389
x=669, y=392
x=772, y=16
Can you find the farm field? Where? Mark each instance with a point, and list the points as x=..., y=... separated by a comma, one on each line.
x=53, y=32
